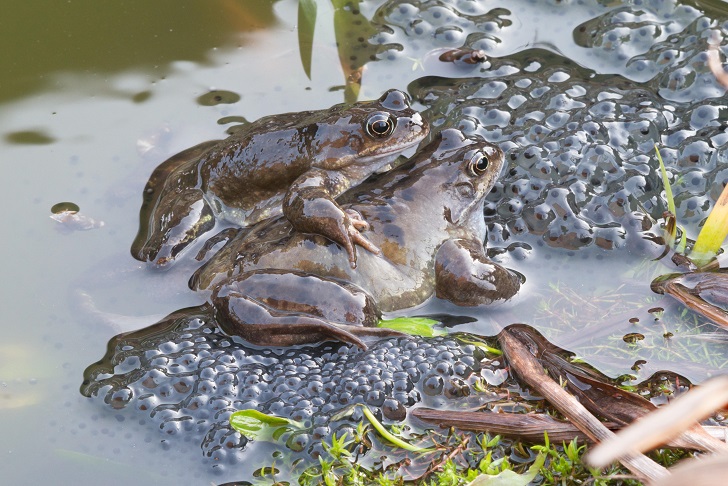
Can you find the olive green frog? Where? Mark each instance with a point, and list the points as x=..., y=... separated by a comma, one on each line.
x=293, y=164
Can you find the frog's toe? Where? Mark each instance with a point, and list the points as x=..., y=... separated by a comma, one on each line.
x=357, y=220
x=362, y=241
x=356, y=238
x=351, y=251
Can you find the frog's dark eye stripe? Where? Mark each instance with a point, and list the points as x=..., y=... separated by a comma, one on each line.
x=478, y=164
x=379, y=125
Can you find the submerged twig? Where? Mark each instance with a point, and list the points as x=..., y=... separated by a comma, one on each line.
x=689, y=289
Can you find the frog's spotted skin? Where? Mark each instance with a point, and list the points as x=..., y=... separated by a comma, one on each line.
x=188, y=377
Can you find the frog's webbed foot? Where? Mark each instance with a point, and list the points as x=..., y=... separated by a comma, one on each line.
x=271, y=329
x=465, y=276
x=225, y=235
x=279, y=308
x=167, y=198
x=309, y=207
x=178, y=219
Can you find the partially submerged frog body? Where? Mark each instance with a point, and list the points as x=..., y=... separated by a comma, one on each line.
x=274, y=285
x=294, y=164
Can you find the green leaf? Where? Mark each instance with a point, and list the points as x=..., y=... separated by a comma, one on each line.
x=387, y=435
x=511, y=478
x=256, y=425
x=417, y=326
x=351, y=25
x=478, y=342
x=714, y=231
x=306, y=27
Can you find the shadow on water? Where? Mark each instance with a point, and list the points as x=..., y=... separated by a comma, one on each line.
x=103, y=39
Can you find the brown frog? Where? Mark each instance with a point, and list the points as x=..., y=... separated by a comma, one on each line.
x=293, y=164
x=274, y=285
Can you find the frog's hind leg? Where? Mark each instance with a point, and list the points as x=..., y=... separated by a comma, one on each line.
x=178, y=219
x=167, y=200
x=282, y=308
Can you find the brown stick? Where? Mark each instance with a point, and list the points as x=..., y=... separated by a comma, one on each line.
x=694, y=302
x=531, y=371
x=528, y=427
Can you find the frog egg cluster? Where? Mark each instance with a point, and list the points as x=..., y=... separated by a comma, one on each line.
x=580, y=139
x=190, y=378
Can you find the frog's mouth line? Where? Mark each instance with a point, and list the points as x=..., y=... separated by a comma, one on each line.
x=401, y=148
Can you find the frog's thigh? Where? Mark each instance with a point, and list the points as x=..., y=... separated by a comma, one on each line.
x=466, y=277
x=272, y=307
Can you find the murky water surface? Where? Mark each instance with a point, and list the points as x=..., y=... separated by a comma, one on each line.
x=92, y=98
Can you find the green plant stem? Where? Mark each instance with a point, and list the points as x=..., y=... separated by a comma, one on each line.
x=387, y=435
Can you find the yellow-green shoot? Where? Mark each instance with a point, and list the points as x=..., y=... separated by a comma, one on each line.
x=714, y=231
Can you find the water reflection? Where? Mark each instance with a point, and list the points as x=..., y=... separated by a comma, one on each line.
x=84, y=36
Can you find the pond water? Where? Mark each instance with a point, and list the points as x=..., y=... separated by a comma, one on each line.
x=576, y=92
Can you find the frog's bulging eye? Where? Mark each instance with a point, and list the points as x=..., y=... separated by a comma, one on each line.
x=479, y=164
x=380, y=125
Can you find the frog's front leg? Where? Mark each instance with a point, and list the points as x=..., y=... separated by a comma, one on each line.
x=282, y=308
x=310, y=208
x=466, y=277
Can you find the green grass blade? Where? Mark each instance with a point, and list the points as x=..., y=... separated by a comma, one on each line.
x=387, y=435
x=671, y=226
x=306, y=27
x=476, y=341
x=416, y=326
x=665, y=182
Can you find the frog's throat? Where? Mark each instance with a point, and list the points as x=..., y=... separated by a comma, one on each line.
x=469, y=213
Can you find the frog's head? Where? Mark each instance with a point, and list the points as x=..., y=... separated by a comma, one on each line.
x=359, y=139
x=468, y=170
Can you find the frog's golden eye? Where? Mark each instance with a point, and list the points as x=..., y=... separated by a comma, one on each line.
x=380, y=125
x=478, y=164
